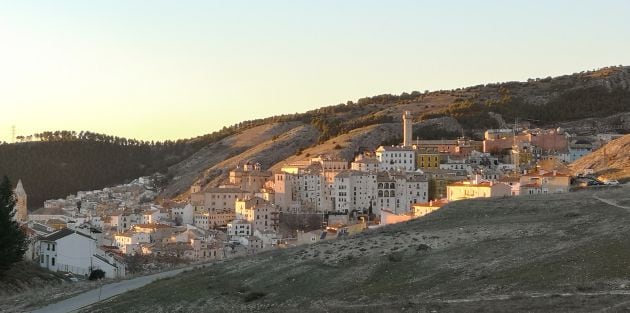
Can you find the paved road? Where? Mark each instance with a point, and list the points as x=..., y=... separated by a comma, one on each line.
x=107, y=291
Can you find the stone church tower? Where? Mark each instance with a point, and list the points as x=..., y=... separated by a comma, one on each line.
x=407, y=129
x=21, y=210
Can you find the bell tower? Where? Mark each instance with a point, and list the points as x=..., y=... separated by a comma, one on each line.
x=407, y=129
x=21, y=208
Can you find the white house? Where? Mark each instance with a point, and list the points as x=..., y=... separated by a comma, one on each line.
x=128, y=242
x=239, y=228
x=184, y=214
x=70, y=251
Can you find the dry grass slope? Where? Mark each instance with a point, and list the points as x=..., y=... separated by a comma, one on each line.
x=561, y=253
x=611, y=161
x=26, y=285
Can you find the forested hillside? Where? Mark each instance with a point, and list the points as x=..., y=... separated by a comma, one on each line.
x=64, y=162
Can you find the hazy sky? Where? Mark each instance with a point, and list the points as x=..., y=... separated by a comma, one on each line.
x=175, y=69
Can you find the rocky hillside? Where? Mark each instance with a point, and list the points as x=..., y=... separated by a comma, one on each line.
x=594, y=101
x=597, y=100
x=267, y=144
x=612, y=161
x=545, y=253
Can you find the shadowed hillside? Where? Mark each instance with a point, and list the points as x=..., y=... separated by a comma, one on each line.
x=552, y=253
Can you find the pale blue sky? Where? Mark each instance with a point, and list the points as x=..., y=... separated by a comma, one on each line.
x=176, y=69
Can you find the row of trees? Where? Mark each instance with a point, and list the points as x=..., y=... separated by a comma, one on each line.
x=473, y=113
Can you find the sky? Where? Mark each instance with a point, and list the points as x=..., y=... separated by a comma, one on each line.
x=157, y=70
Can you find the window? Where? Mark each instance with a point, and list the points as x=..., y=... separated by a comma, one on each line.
x=53, y=262
x=53, y=247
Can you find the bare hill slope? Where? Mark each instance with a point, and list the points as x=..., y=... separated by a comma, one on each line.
x=611, y=161
x=203, y=165
x=553, y=253
x=346, y=145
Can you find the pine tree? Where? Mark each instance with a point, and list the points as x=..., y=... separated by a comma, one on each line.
x=12, y=239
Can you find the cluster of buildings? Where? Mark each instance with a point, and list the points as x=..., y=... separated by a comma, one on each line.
x=391, y=184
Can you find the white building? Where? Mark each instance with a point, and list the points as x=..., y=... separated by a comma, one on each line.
x=576, y=151
x=129, y=241
x=397, y=192
x=354, y=190
x=153, y=215
x=396, y=158
x=300, y=189
x=183, y=214
x=364, y=163
x=456, y=163
x=239, y=228
x=70, y=251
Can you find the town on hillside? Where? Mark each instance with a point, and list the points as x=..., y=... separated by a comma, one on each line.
x=125, y=230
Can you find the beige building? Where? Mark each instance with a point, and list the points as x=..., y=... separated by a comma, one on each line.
x=422, y=209
x=475, y=189
x=249, y=177
x=218, y=199
x=262, y=214
x=544, y=182
x=206, y=219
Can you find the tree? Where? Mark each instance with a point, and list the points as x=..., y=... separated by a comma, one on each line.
x=96, y=274
x=12, y=239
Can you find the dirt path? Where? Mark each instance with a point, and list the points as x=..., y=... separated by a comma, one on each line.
x=611, y=202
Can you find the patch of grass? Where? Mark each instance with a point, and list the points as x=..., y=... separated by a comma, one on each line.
x=395, y=257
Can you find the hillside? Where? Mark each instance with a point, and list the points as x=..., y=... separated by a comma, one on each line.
x=51, y=170
x=597, y=99
x=266, y=144
x=612, y=161
x=551, y=253
x=28, y=285
x=60, y=163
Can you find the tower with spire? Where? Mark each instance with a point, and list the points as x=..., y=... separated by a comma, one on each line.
x=21, y=209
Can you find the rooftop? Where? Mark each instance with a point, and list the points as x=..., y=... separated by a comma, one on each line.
x=63, y=233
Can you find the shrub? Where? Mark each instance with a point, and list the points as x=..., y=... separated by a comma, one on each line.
x=97, y=274
x=254, y=295
x=395, y=257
